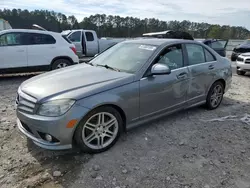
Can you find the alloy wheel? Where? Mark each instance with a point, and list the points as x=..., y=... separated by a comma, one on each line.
x=100, y=130
x=61, y=65
x=216, y=96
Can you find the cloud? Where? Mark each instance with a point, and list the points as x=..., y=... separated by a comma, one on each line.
x=228, y=12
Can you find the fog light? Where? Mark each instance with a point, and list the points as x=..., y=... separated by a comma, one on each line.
x=48, y=137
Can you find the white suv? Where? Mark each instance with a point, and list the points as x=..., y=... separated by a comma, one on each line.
x=243, y=63
x=23, y=50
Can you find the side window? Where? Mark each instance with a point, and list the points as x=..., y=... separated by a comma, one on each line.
x=36, y=38
x=12, y=39
x=75, y=37
x=195, y=54
x=172, y=56
x=209, y=56
x=89, y=36
x=218, y=44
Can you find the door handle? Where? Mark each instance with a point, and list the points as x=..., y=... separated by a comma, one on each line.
x=210, y=67
x=182, y=75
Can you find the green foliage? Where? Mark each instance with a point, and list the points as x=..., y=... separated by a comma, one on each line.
x=116, y=26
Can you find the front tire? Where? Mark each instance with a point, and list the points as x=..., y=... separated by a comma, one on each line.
x=99, y=130
x=60, y=63
x=239, y=72
x=215, y=95
x=233, y=58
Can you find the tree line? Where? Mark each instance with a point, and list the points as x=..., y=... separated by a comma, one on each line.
x=116, y=26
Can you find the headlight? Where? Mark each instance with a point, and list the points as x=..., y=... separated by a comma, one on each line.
x=55, y=108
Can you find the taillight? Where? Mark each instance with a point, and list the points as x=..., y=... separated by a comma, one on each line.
x=73, y=49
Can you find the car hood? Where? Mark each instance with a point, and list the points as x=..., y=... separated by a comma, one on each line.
x=245, y=46
x=247, y=54
x=75, y=82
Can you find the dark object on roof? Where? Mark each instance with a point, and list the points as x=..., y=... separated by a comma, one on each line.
x=170, y=34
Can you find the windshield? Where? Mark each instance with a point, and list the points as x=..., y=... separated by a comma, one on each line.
x=127, y=57
x=219, y=44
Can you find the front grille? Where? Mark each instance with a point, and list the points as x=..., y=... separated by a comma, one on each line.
x=240, y=59
x=247, y=61
x=25, y=103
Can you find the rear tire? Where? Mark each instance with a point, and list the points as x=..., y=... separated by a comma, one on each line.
x=60, y=63
x=239, y=72
x=99, y=130
x=215, y=95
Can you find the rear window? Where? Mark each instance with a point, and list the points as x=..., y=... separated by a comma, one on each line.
x=195, y=54
x=65, y=38
x=209, y=56
x=37, y=38
x=89, y=36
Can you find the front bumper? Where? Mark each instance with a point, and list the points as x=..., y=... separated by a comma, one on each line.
x=242, y=66
x=35, y=126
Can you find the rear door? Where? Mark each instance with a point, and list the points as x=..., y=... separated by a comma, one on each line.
x=13, y=50
x=41, y=49
x=77, y=39
x=201, y=65
x=92, y=47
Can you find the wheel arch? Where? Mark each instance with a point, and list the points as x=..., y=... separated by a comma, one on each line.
x=222, y=81
x=61, y=57
x=217, y=80
x=116, y=107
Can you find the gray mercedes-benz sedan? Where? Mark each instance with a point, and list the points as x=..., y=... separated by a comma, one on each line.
x=89, y=105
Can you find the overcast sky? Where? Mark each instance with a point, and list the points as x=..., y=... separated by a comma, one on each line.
x=228, y=12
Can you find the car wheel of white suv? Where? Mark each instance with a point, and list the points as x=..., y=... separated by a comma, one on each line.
x=60, y=63
x=99, y=130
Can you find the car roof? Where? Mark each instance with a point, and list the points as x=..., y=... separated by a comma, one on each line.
x=28, y=31
x=157, y=41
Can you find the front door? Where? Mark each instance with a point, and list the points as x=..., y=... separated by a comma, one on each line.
x=13, y=51
x=77, y=39
x=202, y=66
x=163, y=93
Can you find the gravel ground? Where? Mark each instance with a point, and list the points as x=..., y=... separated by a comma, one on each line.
x=188, y=149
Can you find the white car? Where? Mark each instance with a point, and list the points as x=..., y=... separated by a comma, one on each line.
x=243, y=63
x=23, y=50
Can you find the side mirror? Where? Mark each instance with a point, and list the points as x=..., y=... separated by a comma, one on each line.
x=160, y=69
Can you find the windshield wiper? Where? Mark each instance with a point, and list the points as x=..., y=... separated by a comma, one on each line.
x=108, y=67
x=89, y=63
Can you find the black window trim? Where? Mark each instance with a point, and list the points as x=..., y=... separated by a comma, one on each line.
x=12, y=33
